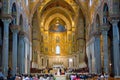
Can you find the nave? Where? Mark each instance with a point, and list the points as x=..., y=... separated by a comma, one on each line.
x=73, y=36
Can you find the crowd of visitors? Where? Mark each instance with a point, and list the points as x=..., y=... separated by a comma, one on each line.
x=29, y=77
x=51, y=77
x=74, y=75
x=86, y=76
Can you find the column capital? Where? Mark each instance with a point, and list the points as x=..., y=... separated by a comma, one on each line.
x=114, y=18
x=14, y=14
x=6, y=17
x=105, y=27
x=15, y=28
x=22, y=33
x=96, y=33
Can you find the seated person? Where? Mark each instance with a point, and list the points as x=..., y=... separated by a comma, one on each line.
x=77, y=77
x=41, y=77
x=62, y=71
x=72, y=77
x=46, y=71
x=51, y=77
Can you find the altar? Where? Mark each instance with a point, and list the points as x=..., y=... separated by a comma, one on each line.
x=60, y=77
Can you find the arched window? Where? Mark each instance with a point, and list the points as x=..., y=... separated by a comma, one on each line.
x=70, y=60
x=90, y=2
x=57, y=49
x=26, y=2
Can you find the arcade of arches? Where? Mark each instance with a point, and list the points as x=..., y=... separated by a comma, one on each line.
x=38, y=34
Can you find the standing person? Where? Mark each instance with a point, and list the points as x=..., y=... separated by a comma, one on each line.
x=60, y=71
x=31, y=78
x=51, y=77
x=106, y=76
x=9, y=71
x=99, y=77
x=1, y=75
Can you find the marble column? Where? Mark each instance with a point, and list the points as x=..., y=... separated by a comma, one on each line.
x=97, y=52
x=89, y=59
x=29, y=57
x=94, y=67
x=22, y=52
x=116, y=47
x=78, y=56
x=14, y=29
x=104, y=29
x=74, y=61
x=90, y=63
x=6, y=22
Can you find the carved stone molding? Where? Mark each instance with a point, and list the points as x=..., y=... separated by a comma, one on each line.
x=14, y=14
x=15, y=28
x=96, y=33
x=6, y=17
x=114, y=18
x=22, y=34
x=105, y=27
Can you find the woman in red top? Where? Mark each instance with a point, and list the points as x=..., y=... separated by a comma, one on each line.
x=77, y=77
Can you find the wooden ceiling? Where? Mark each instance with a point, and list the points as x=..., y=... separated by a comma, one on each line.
x=84, y=5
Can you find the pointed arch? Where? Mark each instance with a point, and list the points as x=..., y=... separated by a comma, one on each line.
x=105, y=8
x=14, y=9
x=97, y=21
x=14, y=14
x=57, y=3
x=105, y=13
x=21, y=21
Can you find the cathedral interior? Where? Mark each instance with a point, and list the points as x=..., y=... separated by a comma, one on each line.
x=76, y=34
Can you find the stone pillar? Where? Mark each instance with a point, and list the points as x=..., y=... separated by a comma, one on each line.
x=22, y=52
x=6, y=21
x=27, y=67
x=97, y=52
x=116, y=53
x=104, y=29
x=29, y=57
x=89, y=59
x=90, y=63
x=74, y=61
x=78, y=56
x=92, y=56
x=14, y=29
